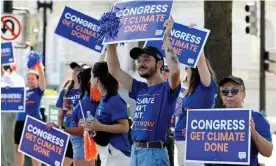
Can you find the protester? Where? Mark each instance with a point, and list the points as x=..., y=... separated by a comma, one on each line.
x=201, y=93
x=9, y=78
x=89, y=103
x=232, y=90
x=111, y=117
x=169, y=144
x=36, y=85
x=155, y=100
x=71, y=94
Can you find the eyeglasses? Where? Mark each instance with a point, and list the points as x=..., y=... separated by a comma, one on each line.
x=234, y=91
x=143, y=60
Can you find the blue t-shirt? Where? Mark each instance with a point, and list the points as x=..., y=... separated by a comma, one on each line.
x=87, y=106
x=202, y=97
x=74, y=95
x=154, y=108
x=32, y=106
x=263, y=128
x=108, y=113
x=178, y=106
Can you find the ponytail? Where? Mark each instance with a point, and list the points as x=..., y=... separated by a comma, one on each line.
x=68, y=86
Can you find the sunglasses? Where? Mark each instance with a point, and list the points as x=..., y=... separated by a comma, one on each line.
x=234, y=91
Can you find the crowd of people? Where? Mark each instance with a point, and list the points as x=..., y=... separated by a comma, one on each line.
x=94, y=89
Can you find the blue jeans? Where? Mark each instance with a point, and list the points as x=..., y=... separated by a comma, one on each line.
x=78, y=147
x=149, y=156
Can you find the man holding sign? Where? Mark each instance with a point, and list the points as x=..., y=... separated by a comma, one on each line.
x=228, y=136
x=232, y=91
x=155, y=100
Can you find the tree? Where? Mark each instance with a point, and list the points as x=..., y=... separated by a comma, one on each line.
x=218, y=48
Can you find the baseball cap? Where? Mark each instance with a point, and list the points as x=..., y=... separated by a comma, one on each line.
x=150, y=50
x=75, y=64
x=234, y=79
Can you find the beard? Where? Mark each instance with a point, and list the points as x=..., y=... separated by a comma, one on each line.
x=149, y=73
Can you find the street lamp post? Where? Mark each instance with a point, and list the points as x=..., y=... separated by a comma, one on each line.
x=45, y=5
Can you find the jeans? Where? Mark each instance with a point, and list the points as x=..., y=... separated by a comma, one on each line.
x=149, y=156
x=78, y=147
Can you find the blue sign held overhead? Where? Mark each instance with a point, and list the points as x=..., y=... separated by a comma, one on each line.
x=218, y=136
x=7, y=56
x=141, y=20
x=188, y=43
x=79, y=28
x=13, y=99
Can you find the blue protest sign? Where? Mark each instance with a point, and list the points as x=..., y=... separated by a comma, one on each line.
x=79, y=28
x=218, y=136
x=46, y=146
x=141, y=20
x=7, y=56
x=13, y=99
x=187, y=42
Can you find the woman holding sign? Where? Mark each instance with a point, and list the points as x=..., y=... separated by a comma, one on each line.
x=36, y=85
x=88, y=104
x=111, y=117
x=201, y=93
x=69, y=96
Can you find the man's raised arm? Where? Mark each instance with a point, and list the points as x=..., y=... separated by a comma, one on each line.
x=171, y=58
x=115, y=70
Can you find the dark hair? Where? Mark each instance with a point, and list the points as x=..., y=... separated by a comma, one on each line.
x=68, y=85
x=84, y=79
x=111, y=85
x=7, y=67
x=195, y=77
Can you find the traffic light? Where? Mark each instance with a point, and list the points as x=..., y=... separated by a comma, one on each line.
x=251, y=18
x=7, y=6
x=270, y=62
x=266, y=61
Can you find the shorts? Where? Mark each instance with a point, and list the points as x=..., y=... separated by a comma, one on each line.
x=18, y=129
x=69, y=150
x=110, y=156
x=78, y=147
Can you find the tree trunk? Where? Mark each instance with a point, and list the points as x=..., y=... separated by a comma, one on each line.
x=218, y=48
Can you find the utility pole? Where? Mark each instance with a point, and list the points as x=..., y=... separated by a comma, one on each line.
x=262, y=58
x=45, y=6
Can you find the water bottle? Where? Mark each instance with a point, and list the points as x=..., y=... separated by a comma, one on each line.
x=91, y=119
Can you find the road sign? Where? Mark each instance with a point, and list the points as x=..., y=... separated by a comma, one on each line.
x=11, y=28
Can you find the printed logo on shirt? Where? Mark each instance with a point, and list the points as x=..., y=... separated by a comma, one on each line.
x=28, y=94
x=74, y=98
x=142, y=103
x=99, y=110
